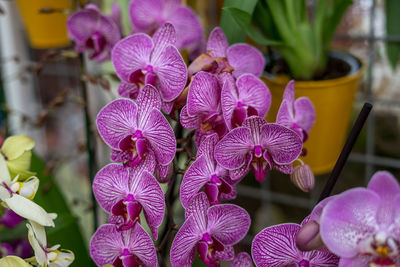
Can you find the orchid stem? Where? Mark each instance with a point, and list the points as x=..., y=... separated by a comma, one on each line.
x=89, y=144
x=355, y=131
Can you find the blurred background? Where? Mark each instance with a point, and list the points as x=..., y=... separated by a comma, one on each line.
x=46, y=93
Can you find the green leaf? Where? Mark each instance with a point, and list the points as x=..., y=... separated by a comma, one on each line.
x=233, y=31
x=243, y=19
x=393, y=28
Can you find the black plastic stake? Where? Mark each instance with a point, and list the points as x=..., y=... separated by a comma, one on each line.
x=358, y=125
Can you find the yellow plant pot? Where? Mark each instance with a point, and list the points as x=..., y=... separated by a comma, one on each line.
x=333, y=102
x=45, y=30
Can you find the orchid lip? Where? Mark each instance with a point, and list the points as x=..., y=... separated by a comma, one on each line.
x=258, y=151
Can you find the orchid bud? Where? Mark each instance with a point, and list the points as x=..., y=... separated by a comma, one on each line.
x=303, y=177
x=309, y=238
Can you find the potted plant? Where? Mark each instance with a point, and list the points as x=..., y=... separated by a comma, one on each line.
x=45, y=22
x=301, y=51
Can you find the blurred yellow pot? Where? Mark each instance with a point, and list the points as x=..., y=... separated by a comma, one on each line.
x=333, y=102
x=45, y=30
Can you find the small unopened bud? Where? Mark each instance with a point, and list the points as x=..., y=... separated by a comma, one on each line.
x=303, y=177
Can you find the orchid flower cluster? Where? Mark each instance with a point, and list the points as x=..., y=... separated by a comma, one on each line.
x=221, y=102
x=18, y=187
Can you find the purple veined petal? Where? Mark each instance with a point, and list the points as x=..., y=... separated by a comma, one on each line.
x=110, y=185
x=242, y=260
x=129, y=90
x=200, y=135
x=305, y=113
x=231, y=152
x=161, y=137
x=238, y=174
x=204, y=94
x=197, y=208
x=149, y=194
x=131, y=54
x=217, y=43
x=288, y=94
x=348, y=219
x=145, y=14
x=194, y=179
x=87, y=17
x=323, y=258
x=275, y=246
x=163, y=37
x=189, y=122
x=147, y=164
x=245, y=59
x=232, y=194
x=207, y=148
x=225, y=255
x=285, y=168
x=117, y=120
x=187, y=25
x=283, y=144
x=253, y=92
x=148, y=99
x=171, y=72
x=139, y=243
x=183, y=246
x=285, y=116
x=255, y=124
x=229, y=100
x=166, y=107
x=119, y=156
x=228, y=223
x=106, y=245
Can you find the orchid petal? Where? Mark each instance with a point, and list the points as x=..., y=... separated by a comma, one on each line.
x=171, y=71
x=255, y=124
x=29, y=210
x=187, y=25
x=285, y=116
x=225, y=255
x=348, y=219
x=14, y=146
x=13, y=261
x=117, y=120
x=207, y=148
x=4, y=173
x=144, y=14
x=182, y=249
x=197, y=208
x=161, y=137
x=106, y=244
x=275, y=246
x=87, y=17
x=194, y=179
x=129, y=90
x=283, y=144
x=116, y=15
x=305, y=113
x=217, y=43
x=245, y=59
x=242, y=260
x=139, y=243
x=229, y=100
x=131, y=54
x=147, y=100
x=204, y=94
x=149, y=194
x=228, y=223
x=231, y=152
x=288, y=94
x=110, y=185
x=253, y=92
x=324, y=258
x=189, y=122
x=163, y=37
